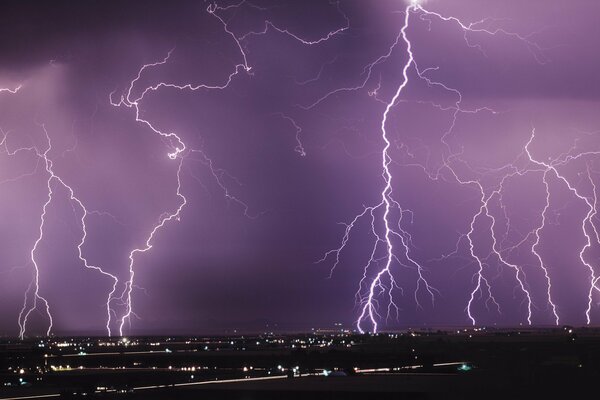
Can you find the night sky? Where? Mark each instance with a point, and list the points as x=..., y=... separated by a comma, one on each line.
x=271, y=112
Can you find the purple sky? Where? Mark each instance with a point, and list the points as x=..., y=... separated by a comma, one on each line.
x=289, y=147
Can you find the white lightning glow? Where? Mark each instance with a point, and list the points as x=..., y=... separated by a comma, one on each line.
x=11, y=90
x=52, y=180
x=179, y=153
x=446, y=171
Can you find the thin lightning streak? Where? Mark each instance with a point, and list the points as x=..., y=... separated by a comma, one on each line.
x=482, y=211
x=329, y=35
x=147, y=246
x=451, y=156
x=318, y=76
x=590, y=216
x=211, y=9
x=337, y=252
x=35, y=283
x=551, y=167
x=367, y=72
x=480, y=278
x=498, y=252
x=536, y=244
x=218, y=174
x=299, y=146
x=474, y=27
x=25, y=311
x=214, y=8
x=519, y=275
x=105, y=214
x=53, y=178
x=178, y=148
x=12, y=91
x=127, y=101
x=179, y=152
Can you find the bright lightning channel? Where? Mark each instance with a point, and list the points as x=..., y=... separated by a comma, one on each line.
x=384, y=281
x=54, y=179
x=179, y=150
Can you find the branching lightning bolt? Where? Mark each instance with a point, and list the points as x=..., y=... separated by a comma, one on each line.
x=179, y=147
x=54, y=179
x=384, y=281
x=586, y=222
x=178, y=152
x=368, y=300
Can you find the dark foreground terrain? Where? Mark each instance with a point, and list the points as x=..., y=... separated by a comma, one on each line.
x=464, y=363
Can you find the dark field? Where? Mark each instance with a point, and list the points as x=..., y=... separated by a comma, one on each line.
x=467, y=363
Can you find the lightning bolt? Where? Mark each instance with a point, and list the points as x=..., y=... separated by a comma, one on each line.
x=299, y=146
x=214, y=8
x=588, y=228
x=52, y=180
x=34, y=284
x=590, y=216
x=217, y=11
x=483, y=211
x=383, y=281
x=585, y=223
x=12, y=91
x=178, y=147
x=178, y=153
x=179, y=150
x=33, y=298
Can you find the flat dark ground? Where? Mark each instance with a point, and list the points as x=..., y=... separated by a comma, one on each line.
x=506, y=364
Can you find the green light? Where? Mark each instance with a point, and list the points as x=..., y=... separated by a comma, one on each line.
x=465, y=367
